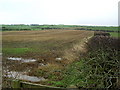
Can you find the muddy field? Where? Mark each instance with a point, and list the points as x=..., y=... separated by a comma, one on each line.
x=51, y=50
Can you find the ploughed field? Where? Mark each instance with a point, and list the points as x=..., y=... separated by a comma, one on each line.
x=45, y=50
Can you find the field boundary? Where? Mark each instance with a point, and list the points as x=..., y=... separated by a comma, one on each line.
x=21, y=84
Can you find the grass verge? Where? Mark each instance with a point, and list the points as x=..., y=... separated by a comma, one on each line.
x=16, y=51
x=114, y=34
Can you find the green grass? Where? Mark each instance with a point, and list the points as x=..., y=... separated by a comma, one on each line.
x=56, y=83
x=0, y=50
x=103, y=28
x=40, y=27
x=15, y=51
x=78, y=74
x=114, y=34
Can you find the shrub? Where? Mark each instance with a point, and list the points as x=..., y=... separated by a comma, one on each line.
x=100, y=67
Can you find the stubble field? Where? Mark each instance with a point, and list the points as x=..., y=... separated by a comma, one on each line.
x=53, y=50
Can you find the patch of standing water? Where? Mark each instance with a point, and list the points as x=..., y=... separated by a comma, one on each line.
x=21, y=59
x=21, y=76
x=0, y=54
x=41, y=64
x=58, y=59
x=12, y=58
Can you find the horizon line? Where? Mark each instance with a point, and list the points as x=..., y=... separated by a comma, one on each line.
x=61, y=24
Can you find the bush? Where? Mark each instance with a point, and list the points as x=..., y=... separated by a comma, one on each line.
x=100, y=67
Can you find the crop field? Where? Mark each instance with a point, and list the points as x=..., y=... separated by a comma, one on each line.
x=46, y=47
x=21, y=43
x=113, y=30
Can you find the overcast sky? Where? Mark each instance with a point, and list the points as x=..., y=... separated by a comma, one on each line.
x=71, y=12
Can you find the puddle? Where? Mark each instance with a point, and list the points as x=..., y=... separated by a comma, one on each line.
x=17, y=59
x=58, y=59
x=21, y=76
x=21, y=59
x=0, y=54
x=41, y=64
